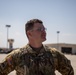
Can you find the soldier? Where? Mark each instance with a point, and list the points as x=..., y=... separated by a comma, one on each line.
x=36, y=58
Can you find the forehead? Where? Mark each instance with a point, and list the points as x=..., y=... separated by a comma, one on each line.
x=38, y=25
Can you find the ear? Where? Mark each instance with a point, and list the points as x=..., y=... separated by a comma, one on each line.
x=29, y=33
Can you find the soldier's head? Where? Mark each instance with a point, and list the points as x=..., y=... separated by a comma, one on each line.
x=35, y=30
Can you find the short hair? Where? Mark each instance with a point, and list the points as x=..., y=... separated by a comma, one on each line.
x=29, y=25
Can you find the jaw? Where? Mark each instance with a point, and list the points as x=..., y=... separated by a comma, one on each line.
x=43, y=37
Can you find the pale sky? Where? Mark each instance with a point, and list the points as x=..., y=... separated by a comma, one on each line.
x=57, y=15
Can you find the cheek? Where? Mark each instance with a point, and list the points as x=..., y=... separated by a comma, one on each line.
x=37, y=36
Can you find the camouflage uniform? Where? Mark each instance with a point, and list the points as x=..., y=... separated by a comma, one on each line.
x=26, y=61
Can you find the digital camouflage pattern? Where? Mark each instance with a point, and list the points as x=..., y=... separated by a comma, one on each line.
x=29, y=62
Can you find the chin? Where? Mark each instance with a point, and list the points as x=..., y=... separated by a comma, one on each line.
x=44, y=40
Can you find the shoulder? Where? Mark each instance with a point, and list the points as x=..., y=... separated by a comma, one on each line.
x=58, y=56
x=55, y=53
x=51, y=49
x=17, y=53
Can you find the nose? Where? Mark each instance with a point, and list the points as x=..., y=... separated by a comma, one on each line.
x=44, y=31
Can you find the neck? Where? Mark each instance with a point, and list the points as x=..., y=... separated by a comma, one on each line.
x=35, y=45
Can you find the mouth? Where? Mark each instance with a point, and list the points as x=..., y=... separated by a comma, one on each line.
x=43, y=36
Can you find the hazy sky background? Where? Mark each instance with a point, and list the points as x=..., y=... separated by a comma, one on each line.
x=57, y=15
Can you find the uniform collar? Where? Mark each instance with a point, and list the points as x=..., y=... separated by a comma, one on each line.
x=30, y=50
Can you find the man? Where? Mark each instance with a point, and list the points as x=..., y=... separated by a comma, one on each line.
x=36, y=58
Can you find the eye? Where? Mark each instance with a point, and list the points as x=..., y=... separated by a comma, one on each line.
x=41, y=29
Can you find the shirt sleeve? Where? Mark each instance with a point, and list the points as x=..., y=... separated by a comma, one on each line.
x=63, y=64
x=9, y=63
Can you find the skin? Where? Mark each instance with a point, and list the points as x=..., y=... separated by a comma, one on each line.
x=36, y=37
